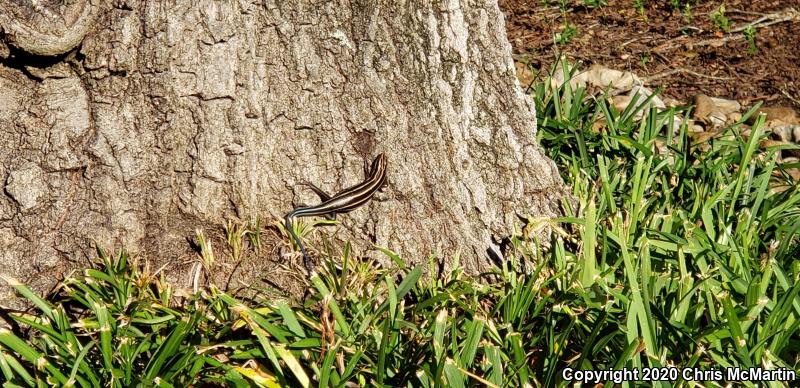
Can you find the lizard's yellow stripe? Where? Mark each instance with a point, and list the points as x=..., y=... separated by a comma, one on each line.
x=343, y=202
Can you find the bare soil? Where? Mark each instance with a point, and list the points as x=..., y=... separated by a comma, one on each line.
x=684, y=51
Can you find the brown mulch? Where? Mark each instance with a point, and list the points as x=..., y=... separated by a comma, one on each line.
x=685, y=53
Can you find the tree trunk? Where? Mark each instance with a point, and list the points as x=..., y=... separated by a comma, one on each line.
x=132, y=123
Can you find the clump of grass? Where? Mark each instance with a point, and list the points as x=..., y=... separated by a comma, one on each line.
x=693, y=246
x=109, y=326
x=564, y=37
x=671, y=254
x=750, y=37
x=640, y=5
x=115, y=326
x=720, y=20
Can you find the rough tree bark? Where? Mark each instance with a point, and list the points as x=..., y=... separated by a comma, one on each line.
x=131, y=123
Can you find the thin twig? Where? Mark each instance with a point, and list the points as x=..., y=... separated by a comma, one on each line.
x=735, y=10
x=762, y=97
x=718, y=41
x=764, y=21
x=686, y=71
x=789, y=96
x=773, y=18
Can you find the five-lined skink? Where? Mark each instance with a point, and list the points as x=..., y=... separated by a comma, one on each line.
x=342, y=202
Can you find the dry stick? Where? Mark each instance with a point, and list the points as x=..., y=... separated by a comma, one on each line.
x=670, y=44
x=774, y=18
x=736, y=74
x=682, y=70
x=743, y=12
x=789, y=96
x=761, y=97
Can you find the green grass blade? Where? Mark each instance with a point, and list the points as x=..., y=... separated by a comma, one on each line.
x=290, y=319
